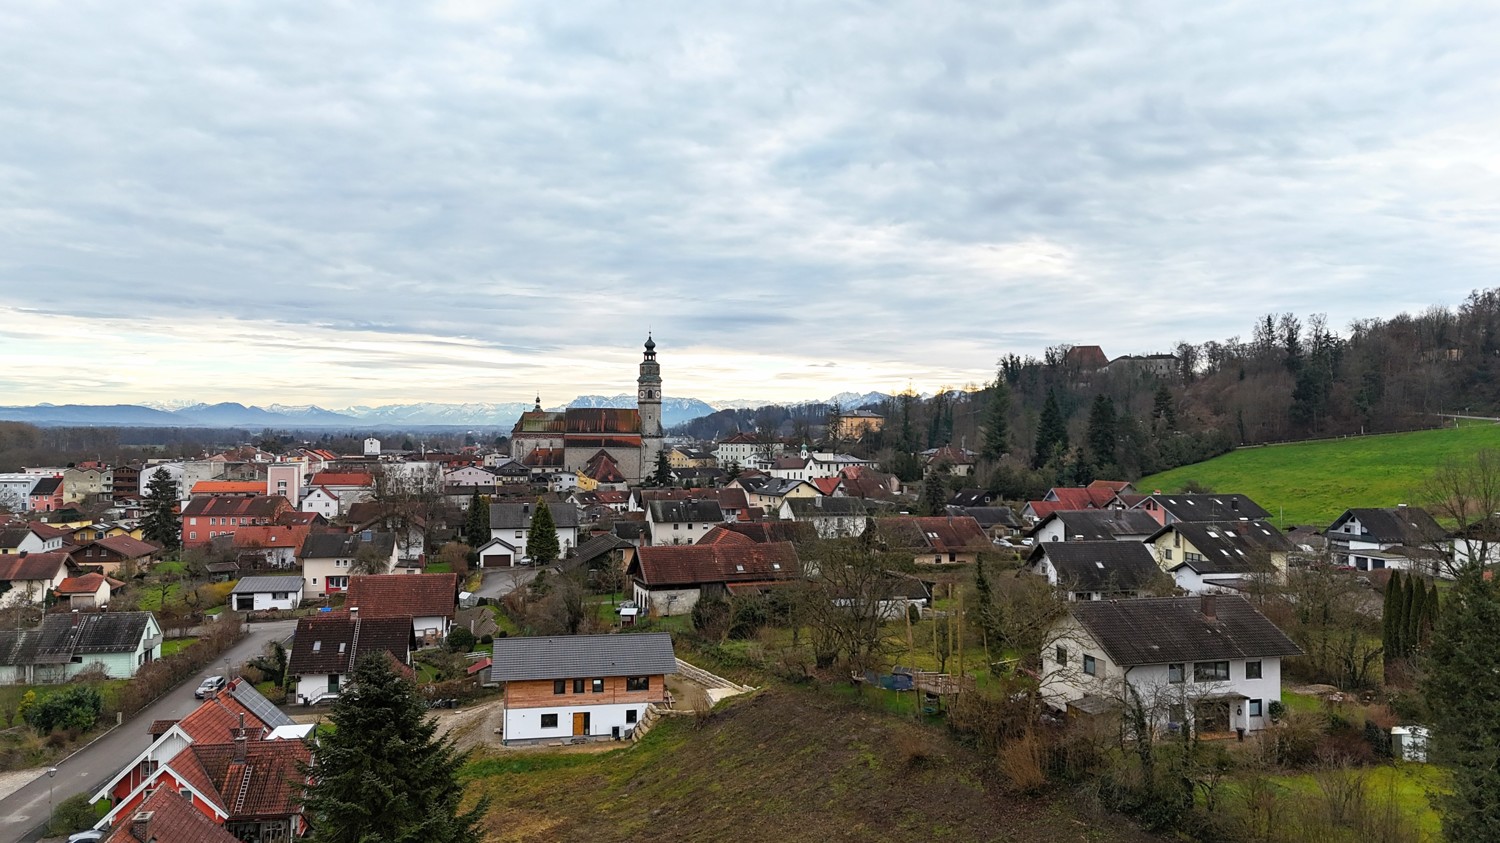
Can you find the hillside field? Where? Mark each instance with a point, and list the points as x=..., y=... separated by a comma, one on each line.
x=783, y=764
x=1313, y=482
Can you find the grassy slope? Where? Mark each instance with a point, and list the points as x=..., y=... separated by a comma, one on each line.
x=782, y=765
x=1316, y=481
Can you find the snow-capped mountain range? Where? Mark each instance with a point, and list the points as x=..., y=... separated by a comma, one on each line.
x=675, y=411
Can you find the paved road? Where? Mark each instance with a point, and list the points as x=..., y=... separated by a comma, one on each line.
x=24, y=812
x=499, y=582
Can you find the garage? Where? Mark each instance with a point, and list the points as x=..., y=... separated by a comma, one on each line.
x=496, y=554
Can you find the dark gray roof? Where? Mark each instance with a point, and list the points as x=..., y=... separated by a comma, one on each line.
x=988, y=516
x=46, y=486
x=833, y=507
x=341, y=545
x=1106, y=566
x=582, y=656
x=61, y=637
x=1235, y=547
x=331, y=642
x=1211, y=507
x=252, y=585
x=1161, y=630
x=1408, y=525
x=673, y=512
x=517, y=516
x=972, y=497
x=1102, y=524
x=598, y=546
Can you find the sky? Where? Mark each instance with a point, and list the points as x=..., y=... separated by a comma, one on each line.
x=362, y=203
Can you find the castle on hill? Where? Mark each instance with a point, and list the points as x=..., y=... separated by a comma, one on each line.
x=598, y=441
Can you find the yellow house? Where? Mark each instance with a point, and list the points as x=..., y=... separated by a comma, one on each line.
x=682, y=456
x=93, y=532
x=770, y=492
x=1220, y=554
x=585, y=482
x=855, y=424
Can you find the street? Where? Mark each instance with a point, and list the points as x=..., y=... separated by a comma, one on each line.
x=499, y=582
x=23, y=813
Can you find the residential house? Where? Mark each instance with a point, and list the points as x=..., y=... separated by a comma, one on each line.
x=605, y=551
x=690, y=456
x=1100, y=494
x=204, y=519
x=769, y=493
x=681, y=521
x=935, y=540
x=428, y=600
x=1226, y=555
x=103, y=530
x=346, y=487
x=119, y=554
x=15, y=490
x=740, y=448
x=855, y=424
x=510, y=527
x=1094, y=525
x=1171, y=509
x=26, y=578
x=973, y=497
x=65, y=645
x=670, y=579
x=35, y=537
x=799, y=533
x=833, y=517
x=328, y=559
x=125, y=482
x=578, y=687
x=811, y=465
x=1095, y=570
x=410, y=528
x=228, y=489
x=266, y=594
x=236, y=761
x=1209, y=663
x=956, y=461
x=323, y=501
x=1400, y=537
x=88, y=591
x=326, y=646
x=274, y=546
x=998, y=522
x=47, y=495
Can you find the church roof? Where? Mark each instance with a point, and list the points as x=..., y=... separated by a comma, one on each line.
x=603, y=420
x=540, y=421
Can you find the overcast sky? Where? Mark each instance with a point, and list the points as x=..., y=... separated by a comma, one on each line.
x=362, y=203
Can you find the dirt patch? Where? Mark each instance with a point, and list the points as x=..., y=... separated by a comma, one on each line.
x=16, y=779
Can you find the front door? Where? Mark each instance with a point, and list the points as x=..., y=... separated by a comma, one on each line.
x=333, y=683
x=1212, y=716
x=580, y=723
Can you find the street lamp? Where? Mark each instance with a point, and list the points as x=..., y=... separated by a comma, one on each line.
x=51, y=773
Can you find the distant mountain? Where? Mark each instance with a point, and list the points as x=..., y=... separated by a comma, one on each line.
x=231, y=414
x=111, y=415
x=481, y=415
x=674, y=411
x=847, y=400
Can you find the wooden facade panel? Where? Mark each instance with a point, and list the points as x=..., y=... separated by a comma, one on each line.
x=538, y=693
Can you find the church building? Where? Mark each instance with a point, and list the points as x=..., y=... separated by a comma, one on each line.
x=577, y=437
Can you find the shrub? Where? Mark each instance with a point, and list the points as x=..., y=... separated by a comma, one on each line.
x=460, y=640
x=72, y=814
x=74, y=708
x=1021, y=763
x=487, y=638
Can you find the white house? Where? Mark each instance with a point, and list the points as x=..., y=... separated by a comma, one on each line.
x=63, y=646
x=322, y=500
x=263, y=594
x=1095, y=570
x=1091, y=525
x=511, y=523
x=27, y=577
x=681, y=521
x=328, y=559
x=1210, y=663
x=574, y=687
x=428, y=600
x=32, y=538
x=1402, y=537
x=15, y=490
x=326, y=646
x=372, y=447
x=833, y=517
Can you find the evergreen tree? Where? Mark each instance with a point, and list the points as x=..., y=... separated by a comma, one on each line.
x=1461, y=683
x=477, y=524
x=1430, y=618
x=1103, y=434
x=1390, y=618
x=935, y=492
x=160, y=524
x=988, y=613
x=1051, y=433
x=1164, y=411
x=541, y=542
x=1416, y=595
x=662, y=476
x=1398, y=618
x=382, y=774
x=997, y=422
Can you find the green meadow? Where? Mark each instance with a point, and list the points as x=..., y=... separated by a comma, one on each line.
x=1313, y=482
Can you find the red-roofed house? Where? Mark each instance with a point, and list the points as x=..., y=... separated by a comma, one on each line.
x=27, y=577
x=111, y=554
x=275, y=545
x=428, y=599
x=670, y=579
x=206, y=518
x=940, y=539
x=228, y=488
x=89, y=591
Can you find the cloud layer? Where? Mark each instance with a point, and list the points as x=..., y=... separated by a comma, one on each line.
x=354, y=203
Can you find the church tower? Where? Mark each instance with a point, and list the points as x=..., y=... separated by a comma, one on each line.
x=648, y=400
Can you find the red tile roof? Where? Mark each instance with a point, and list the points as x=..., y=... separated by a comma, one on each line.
x=217, y=719
x=129, y=547
x=413, y=595
x=267, y=783
x=173, y=820
x=272, y=535
x=940, y=533
x=15, y=567
x=228, y=487
x=47, y=531
x=350, y=478
x=826, y=485
x=724, y=535
x=260, y=506
x=696, y=564
x=86, y=584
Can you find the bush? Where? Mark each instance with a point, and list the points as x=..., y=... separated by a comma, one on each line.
x=72, y=814
x=460, y=640
x=74, y=708
x=487, y=638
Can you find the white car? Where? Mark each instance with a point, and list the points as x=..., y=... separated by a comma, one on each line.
x=85, y=836
x=209, y=686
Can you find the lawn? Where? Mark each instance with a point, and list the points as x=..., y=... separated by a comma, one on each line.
x=1411, y=784
x=151, y=597
x=1314, y=482
x=173, y=646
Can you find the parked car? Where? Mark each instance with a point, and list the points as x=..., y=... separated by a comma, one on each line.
x=210, y=685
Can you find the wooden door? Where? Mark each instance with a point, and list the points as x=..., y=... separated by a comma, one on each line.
x=580, y=723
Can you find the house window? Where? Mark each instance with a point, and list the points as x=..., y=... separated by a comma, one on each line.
x=280, y=595
x=629, y=715
x=1255, y=708
x=193, y=534
x=1192, y=557
x=1090, y=665
x=1252, y=670
x=1175, y=673
x=1210, y=671
x=1167, y=554
x=638, y=683
x=597, y=686
x=549, y=721
x=577, y=686
x=559, y=686
x=1062, y=655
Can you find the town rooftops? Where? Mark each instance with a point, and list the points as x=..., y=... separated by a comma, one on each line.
x=23, y=567
x=1232, y=546
x=166, y=817
x=697, y=564
x=229, y=487
x=129, y=547
x=946, y=533
x=259, y=506
x=358, y=479
x=576, y=656
x=1103, y=566
x=403, y=595
x=61, y=638
x=1163, y=630
x=261, y=585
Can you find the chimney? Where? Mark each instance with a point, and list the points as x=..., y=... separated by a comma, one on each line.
x=1208, y=605
x=353, y=611
x=239, y=746
x=140, y=825
x=24, y=553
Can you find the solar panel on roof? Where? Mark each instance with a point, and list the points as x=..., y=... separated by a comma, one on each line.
x=258, y=705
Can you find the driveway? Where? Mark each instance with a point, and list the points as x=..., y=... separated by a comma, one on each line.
x=24, y=812
x=499, y=582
